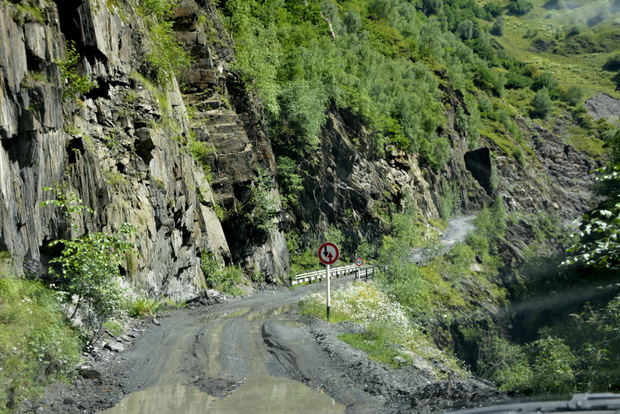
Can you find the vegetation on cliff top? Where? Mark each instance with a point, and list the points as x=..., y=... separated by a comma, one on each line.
x=389, y=62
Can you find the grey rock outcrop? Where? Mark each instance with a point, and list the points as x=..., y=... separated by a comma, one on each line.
x=115, y=150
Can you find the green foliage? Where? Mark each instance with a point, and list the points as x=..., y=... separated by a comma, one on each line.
x=378, y=341
x=613, y=63
x=365, y=250
x=157, y=8
x=505, y=364
x=289, y=180
x=448, y=200
x=257, y=48
x=37, y=345
x=552, y=366
x=498, y=26
x=27, y=11
x=199, y=150
x=431, y=6
x=519, y=7
x=596, y=244
x=541, y=104
x=75, y=84
x=491, y=222
x=263, y=205
x=572, y=95
x=90, y=268
x=167, y=58
x=224, y=280
x=302, y=259
x=336, y=236
x=141, y=306
x=545, y=80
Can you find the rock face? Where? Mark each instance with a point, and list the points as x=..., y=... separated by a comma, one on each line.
x=116, y=150
x=604, y=106
x=124, y=150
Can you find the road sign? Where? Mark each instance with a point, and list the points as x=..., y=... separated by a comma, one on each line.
x=328, y=253
x=359, y=261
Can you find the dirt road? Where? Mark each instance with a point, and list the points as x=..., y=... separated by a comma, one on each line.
x=256, y=355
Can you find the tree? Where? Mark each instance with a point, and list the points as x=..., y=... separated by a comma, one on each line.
x=519, y=7
x=541, y=104
x=465, y=29
x=431, y=6
x=91, y=267
x=498, y=26
x=597, y=242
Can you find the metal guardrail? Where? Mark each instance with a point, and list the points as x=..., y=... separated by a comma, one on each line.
x=318, y=275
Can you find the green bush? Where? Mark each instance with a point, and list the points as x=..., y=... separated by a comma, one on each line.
x=519, y=7
x=90, y=267
x=167, y=58
x=263, y=205
x=75, y=84
x=572, y=95
x=224, y=280
x=552, y=366
x=289, y=180
x=505, y=363
x=545, y=80
x=141, y=306
x=541, y=104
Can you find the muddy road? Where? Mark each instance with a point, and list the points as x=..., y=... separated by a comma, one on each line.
x=256, y=355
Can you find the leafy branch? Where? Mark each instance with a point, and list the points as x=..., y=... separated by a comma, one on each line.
x=91, y=267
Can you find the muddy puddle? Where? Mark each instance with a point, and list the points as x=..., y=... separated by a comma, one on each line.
x=262, y=395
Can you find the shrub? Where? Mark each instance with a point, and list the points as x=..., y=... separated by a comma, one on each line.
x=552, y=365
x=289, y=181
x=498, y=27
x=494, y=9
x=519, y=7
x=545, y=80
x=167, y=58
x=225, y=280
x=573, y=95
x=541, y=104
x=613, y=63
x=263, y=204
x=75, y=84
x=505, y=364
x=90, y=268
x=141, y=306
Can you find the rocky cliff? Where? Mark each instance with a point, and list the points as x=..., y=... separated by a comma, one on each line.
x=123, y=148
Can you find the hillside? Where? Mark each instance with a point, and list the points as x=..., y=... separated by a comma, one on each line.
x=155, y=149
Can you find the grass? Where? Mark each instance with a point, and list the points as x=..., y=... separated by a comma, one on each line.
x=584, y=141
x=380, y=343
x=141, y=307
x=37, y=345
x=583, y=69
x=389, y=332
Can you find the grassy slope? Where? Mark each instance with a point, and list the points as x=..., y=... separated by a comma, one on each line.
x=583, y=69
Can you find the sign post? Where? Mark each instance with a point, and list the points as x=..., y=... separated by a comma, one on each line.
x=328, y=254
x=358, y=262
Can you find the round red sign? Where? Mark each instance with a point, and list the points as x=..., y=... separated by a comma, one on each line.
x=359, y=261
x=328, y=253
